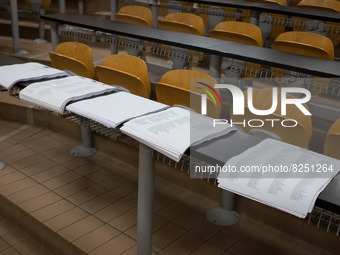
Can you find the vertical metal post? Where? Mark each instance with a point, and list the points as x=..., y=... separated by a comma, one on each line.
x=113, y=11
x=2, y=165
x=86, y=149
x=154, y=10
x=15, y=26
x=81, y=7
x=114, y=8
x=54, y=35
x=224, y=215
x=62, y=6
x=146, y=171
x=215, y=66
x=41, y=28
x=254, y=17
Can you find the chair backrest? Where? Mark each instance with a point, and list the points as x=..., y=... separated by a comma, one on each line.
x=136, y=15
x=277, y=2
x=78, y=51
x=329, y=5
x=175, y=87
x=183, y=22
x=238, y=31
x=127, y=71
x=64, y=62
x=304, y=43
x=299, y=135
x=332, y=142
x=44, y=3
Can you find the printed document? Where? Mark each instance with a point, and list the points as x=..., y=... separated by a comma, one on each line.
x=174, y=130
x=12, y=74
x=114, y=109
x=55, y=94
x=280, y=175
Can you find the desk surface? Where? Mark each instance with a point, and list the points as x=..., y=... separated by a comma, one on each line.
x=272, y=8
x=220, y=150
x=209, y=45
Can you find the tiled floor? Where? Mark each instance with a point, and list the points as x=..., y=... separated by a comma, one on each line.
x=94, y=207
x=13, y=241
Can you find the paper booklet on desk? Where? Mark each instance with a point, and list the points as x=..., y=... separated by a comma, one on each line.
x=284, y=176
x=114, y=109
x=12, y=74
x=173, y=130
x=55, y=94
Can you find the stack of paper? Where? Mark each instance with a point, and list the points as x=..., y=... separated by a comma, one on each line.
x=280, y=175
x=12, y=74
x=114, y=109
x=173, y=130
x=55, y=94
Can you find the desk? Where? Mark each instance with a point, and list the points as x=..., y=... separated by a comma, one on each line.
x=215, y=47
x=7, y=60
x=219, y=151
x=272, y=8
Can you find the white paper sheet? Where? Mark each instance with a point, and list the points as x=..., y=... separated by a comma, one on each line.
x=112, y=110
x=293, y=188
x=55, y=94
x=32, y=71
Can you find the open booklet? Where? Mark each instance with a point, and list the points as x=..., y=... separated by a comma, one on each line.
x=32, y=71
x=112, y=110
x=173, y=130
x=280, y=175
x=55, y=94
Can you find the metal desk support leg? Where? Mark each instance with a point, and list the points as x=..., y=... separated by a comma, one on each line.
x=154, y=9
x=54, y=35
x=86, y=149
x=254, y=18
x=2, y=165
x=145, y=200
x=224, y=215
x=81, y=7
x=113, y=11
x=15, y=28
x=62, y=6
x=215, y=66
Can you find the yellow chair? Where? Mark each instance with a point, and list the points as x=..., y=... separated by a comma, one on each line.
x=307, y=44
x=75, y=57
x=237, y=31
x=183, y=22
x=277, y=27
x=126, y=71
x=262, y=100
x=294, y=2
x=240, y=32
x=184, y=87
x=329, y=28
x=304, y=43
x=172, y=6
x=213, y=15
x=332, y=142
x=44, y=3
x=40, y=8
x=136, y=15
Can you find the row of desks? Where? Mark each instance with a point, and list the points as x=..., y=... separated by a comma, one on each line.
x=231, y=145
x=215, y=47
